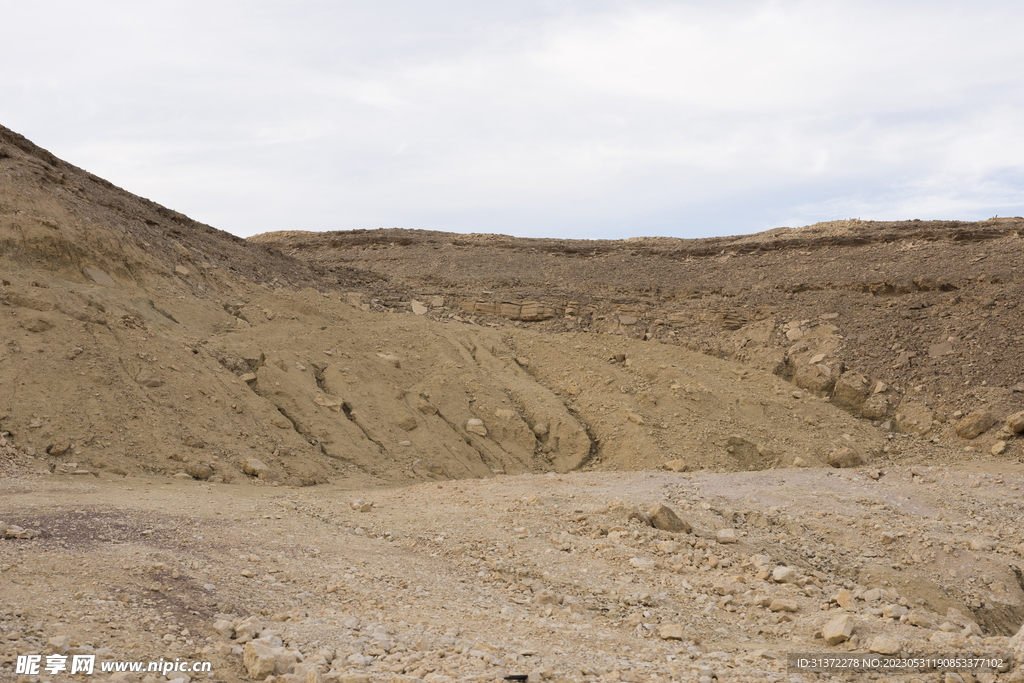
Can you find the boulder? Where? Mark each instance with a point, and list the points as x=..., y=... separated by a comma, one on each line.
x=664, y=518
x=255, y=467
x=884, y=645
x=974, y=424
x=845, y=457
x=671, y=632
x=838, y=630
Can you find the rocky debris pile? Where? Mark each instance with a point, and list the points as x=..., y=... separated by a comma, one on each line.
x=13, y=531
x=14, y=461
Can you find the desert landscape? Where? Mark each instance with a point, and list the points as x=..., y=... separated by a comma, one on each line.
x=398, y=455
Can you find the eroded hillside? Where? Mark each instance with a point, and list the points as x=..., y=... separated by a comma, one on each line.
x=910, y=325
x=138, y=340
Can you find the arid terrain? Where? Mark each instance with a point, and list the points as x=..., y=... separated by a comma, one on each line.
x=419, y=456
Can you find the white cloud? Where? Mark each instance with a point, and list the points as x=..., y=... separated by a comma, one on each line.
x=534, y=118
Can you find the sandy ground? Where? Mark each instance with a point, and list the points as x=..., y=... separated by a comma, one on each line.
x=544, y=575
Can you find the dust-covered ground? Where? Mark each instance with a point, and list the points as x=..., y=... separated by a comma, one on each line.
x=553, y=576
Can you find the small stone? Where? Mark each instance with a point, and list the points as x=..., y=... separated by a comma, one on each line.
x=58, y=645
x=844, y=599
x=181, y=270
x=799, y=462
x=873, y=595
x=783, y=574
x=726, y=536
x=664, y=518
x=390, y=358
x=418, y=308
x=59, y=448
x=678, y=465
x=407, y=423
x=783, y=605
x=329, y=402
x=998, y=448
x=885, y=646
x=671, y=632
x=247, y=629
x=426, y=407
x=838, y=630
x=476, y=426
x=894, y=611
x=224, y=628
x=634, y=418
x=919, y=620
x=983, y=544
x=669, y=547
x=281, y=422
x=148, y=378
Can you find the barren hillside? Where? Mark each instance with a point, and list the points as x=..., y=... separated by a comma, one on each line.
x=398, y=455
x=911, y=324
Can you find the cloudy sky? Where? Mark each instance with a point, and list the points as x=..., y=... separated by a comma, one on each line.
x=586, y=118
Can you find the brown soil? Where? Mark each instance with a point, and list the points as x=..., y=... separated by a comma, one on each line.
x=186, y=416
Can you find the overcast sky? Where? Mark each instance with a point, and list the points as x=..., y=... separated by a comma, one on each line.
x=531, y=118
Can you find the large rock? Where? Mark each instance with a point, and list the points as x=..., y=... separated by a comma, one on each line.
x=884, y=645
x=783, y=605
x=255, y=467
x=851, y=390
x=817, y=378
x=664, y=518
x=838, y=630
x=1015, y=423
x=845, y=457
x=671, y=632
x=264, y=659
x=783, y=574
x=974, y=424
x=476, y=426
x=199, y=470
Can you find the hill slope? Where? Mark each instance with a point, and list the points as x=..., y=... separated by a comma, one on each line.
x=139, y=340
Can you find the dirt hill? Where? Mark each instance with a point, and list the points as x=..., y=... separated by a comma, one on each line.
x=400, y=455
x=910, y=325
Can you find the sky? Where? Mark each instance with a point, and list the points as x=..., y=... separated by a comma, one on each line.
x=535, y=118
